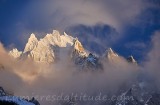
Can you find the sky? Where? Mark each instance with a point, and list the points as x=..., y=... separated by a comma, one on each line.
x=125, y=25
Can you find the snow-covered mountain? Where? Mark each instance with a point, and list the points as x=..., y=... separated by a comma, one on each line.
x=43, y=50
x=46, y=50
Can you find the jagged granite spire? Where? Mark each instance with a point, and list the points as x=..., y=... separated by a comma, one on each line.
x=78, y=46
x=47, y=49
x=15, y=53
x=110, y=54
x=44, y=50
x=31, y=44
x=131, y=59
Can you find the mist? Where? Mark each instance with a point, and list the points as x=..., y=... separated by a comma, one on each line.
x=29, y=79
x=151, y=65
x=46, y=83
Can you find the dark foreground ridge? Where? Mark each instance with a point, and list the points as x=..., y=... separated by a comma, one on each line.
x=8, y=99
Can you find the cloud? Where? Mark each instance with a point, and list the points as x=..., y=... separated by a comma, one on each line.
x=8, y=78
x=94, y=37
x=26, y=78
x=153, y=59
x=41, y=16
x=65, y=13
x=43, y=81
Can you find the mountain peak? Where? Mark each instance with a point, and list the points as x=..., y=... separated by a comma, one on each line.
x=78, y=51
x=32, y=36
x=110, y=52
x=131, y=59
x=57, y=35
x=65, y=34
x=15, y=53
x=32, y=42
x=47, y=49
x=57, y=39
x=44, y=50
x=56, y=32
x=78, y=46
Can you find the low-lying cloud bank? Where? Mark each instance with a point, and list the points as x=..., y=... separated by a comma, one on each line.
x=26, y=78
